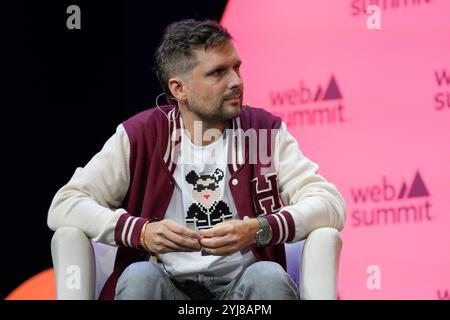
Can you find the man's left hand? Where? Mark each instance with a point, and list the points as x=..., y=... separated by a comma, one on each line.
x=228, y=237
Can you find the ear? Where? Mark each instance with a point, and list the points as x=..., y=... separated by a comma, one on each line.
x=192, y=177
x=178, y=89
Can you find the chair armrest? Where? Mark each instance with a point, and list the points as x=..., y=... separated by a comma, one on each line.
x=74, y=264
x=320, y=264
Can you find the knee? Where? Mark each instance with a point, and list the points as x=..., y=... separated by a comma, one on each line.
x=139, y=274
x=264, y=272
x=267, y=280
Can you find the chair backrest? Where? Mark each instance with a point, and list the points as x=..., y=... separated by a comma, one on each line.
x=104, y=264
x=293, y=258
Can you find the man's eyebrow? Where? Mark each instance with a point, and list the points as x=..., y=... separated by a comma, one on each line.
x=216, y=67
x=221, y=66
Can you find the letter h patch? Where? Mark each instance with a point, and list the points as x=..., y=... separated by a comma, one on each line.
x=266, y=198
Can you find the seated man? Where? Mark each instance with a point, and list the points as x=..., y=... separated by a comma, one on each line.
x=199, y=195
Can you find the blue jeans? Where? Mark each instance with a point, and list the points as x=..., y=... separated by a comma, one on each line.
x=262, y=280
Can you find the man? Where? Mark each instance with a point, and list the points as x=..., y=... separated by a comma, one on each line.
x=192, y=193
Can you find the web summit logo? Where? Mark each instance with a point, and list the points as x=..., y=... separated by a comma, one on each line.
x=384, y=204
x=304, y=106
x=442, y=96
x=358, y=7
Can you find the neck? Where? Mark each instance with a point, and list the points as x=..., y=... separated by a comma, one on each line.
x=202, y=133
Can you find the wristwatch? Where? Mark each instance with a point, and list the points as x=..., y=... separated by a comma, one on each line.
x=264, y=234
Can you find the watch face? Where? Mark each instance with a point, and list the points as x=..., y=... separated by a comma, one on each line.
x=264, y=237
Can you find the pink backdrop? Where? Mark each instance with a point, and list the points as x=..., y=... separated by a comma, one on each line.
x=372, y=108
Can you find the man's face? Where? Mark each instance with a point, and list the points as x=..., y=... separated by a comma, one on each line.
x=206, y=192
x=214, y=87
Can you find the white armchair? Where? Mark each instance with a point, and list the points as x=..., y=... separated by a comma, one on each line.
x=312, y=263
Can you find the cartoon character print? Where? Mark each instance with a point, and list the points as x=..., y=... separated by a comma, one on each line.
x=208, y=210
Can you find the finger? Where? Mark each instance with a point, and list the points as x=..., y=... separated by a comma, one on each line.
x=222, y=251
x=165, y=245
x=184, y=242
x=218, y=230
x=216, y=242
x=181, y=230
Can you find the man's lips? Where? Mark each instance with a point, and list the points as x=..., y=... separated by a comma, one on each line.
x=233, y=97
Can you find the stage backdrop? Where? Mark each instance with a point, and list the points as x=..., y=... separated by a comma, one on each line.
x=372, y=108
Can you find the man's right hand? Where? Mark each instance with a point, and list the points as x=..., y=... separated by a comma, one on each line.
x=168, y=236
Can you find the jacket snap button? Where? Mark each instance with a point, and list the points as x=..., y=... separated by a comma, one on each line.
x=234, y=182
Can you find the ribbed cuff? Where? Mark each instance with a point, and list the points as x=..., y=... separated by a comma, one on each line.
x=283, y=227
x=128, y=230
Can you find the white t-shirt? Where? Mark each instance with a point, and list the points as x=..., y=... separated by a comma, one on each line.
x=200, y=200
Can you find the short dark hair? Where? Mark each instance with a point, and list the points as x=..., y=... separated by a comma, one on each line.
x=174, y=54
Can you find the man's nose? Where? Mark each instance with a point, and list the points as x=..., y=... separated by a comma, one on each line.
x=235, y=80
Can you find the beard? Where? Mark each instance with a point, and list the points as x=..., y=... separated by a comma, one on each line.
x=220, y=112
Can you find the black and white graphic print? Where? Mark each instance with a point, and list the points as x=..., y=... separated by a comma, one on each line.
x=208, y=209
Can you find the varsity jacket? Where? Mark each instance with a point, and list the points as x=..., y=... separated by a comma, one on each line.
x=130, y=181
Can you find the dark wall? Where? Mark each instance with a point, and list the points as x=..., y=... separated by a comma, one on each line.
x=73, y=88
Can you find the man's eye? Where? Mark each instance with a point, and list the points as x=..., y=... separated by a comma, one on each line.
x=219, y=72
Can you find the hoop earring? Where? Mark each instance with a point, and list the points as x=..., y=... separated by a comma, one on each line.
x=156, y=102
